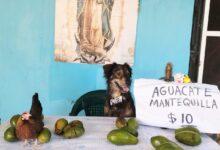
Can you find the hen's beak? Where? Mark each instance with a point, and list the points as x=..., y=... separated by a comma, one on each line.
x=25, y=116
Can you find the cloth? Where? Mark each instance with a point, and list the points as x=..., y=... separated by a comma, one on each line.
x=95, y=137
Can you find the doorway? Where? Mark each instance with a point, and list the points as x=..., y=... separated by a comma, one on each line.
x=205, y=43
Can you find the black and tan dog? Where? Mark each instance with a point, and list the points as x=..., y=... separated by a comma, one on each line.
x=119, y=101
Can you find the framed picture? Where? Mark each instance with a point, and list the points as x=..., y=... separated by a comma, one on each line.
x=95, y=31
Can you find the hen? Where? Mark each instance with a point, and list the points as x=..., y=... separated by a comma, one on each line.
x=30, y=124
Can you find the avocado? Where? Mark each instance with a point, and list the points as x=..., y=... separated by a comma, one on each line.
x=169, y=146
x=73, y=129
x=131, y=131
x=66, y=128
x=73, y=132
x=121, y=137
x=188, y=135
x=44, y=136
x=14, y=119
x=132, y=123
x=120, y=122
x=73, y=124
x=162, y=143
x=76, y=123
x=158, y=140
x=60, y=125
x=69, y=132
x=187, y=128
x=10, y=135
x=79, y=131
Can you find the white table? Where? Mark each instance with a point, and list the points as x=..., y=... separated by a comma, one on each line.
x=96, y=129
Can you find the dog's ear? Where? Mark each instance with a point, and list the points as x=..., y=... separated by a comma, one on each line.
x=108, y=70
x=128, y=68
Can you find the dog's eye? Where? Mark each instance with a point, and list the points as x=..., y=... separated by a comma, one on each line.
x=118, y=74
x=128, y=73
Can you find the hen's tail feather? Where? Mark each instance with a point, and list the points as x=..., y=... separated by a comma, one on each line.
x=36, y=108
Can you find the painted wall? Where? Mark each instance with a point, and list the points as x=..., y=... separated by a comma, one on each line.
x=27, y=61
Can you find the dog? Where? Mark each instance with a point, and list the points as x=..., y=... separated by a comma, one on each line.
x=119, y=101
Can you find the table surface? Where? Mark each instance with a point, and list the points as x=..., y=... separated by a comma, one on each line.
x=96, y=130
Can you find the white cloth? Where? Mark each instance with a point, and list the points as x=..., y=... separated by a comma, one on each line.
x=96, y=130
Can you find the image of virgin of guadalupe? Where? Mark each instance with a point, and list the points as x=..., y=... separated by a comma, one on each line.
x=94, y=36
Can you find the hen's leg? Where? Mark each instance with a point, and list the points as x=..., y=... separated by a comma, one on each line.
x=25, y=143
x=35, y=142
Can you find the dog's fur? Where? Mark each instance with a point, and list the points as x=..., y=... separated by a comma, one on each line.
x=118, y=78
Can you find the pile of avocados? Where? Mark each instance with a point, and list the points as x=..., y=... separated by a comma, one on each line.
x=10, y=133
x=69, y=130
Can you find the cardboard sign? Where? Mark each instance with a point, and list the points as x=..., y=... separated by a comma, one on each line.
x=173, y=105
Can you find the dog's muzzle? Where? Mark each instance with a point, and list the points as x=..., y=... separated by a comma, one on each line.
x=123, y=89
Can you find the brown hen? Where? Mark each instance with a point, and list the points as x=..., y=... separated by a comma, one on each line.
x=30, y=124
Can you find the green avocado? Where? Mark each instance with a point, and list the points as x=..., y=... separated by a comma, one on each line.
x=73, y=132
x=121, y=137
x=73, y=124
x=66, y=128
x=14, y=119
x=188, y=135
x=76, y=123
x=10, y=135
x=158, y=140
x=169, y=146
x=132, y=123
x=69, y=132
x=162, y=143
x=130, y=130
x=60, y=125
x=187, y=128
x=79, y=131
x=44, y=136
